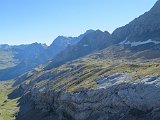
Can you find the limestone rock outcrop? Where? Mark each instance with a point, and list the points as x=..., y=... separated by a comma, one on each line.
x=121, y=101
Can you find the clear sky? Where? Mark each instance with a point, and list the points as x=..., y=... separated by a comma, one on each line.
x=28, y=21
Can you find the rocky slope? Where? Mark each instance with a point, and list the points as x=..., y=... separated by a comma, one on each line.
x=94, y=89
x=62, y=42
x=118, y=101
x=143, y=28
x=90, y=43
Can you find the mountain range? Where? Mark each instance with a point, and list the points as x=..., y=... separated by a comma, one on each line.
x=140, y=37
x=19, y=59
x=95, y=76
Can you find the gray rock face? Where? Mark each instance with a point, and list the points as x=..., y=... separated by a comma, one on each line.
x=114, y=79
x=145, y=27
x=92, y=42
x=122, y=101
x=62, y=42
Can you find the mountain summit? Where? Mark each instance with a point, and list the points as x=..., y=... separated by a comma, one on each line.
x=61, y=42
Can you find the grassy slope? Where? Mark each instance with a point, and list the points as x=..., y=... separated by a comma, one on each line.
x=8, y=108
x=91, y=70
x=83, y=73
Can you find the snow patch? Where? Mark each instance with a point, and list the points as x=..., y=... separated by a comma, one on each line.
x=85, y=45
x=139, y=42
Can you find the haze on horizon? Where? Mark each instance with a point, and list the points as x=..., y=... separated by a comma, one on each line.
x=29, y=21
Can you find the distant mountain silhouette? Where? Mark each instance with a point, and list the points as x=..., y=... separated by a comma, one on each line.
x=25, y=57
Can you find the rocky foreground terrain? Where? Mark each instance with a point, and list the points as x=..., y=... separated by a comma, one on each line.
x=118, y=101
x=92, y=89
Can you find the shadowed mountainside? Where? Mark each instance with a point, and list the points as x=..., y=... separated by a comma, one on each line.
x=16, y=60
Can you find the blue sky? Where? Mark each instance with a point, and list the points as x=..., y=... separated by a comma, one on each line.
x=28, y=21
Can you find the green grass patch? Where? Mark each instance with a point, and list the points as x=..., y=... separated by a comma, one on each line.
x=8, y=107
x=83, y=73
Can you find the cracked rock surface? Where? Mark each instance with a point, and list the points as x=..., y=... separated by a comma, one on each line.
x=121, y=101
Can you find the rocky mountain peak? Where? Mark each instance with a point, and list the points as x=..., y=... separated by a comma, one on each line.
x=143, y=28
x=60, y=41
x=89, y=31
x=64, y=41
x=156, y=7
